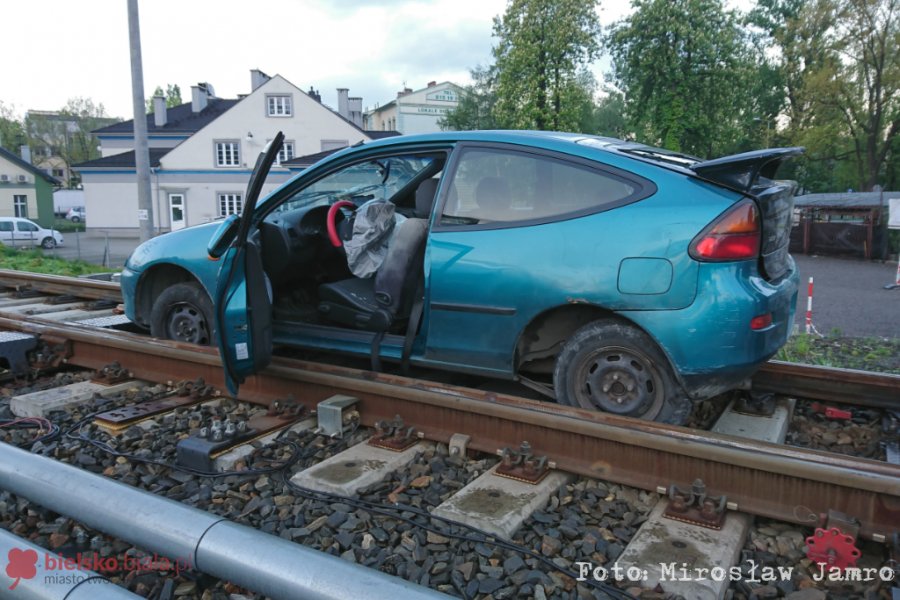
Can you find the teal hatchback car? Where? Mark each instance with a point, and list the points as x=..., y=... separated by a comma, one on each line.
x=606, y=274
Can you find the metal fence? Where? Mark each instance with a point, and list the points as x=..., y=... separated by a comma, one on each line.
x=97, y=250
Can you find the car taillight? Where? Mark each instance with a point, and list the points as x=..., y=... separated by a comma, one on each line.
x=735, y=235
x=761, y=321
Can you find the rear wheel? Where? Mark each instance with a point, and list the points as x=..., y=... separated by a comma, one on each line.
x=183, y=312
x=616, y=368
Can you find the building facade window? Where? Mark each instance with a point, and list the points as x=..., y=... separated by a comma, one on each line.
x=20, y=203
x=230, y=204
x=228, y=153
x=286, y=153
x=279, y=106
x=58, y=173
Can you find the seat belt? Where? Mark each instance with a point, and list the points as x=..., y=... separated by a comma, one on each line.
x=415, y=314
x=376, y=351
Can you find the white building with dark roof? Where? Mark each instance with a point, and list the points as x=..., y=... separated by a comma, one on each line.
x=202, y=153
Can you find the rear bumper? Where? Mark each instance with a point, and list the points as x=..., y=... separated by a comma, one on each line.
x=710, y=343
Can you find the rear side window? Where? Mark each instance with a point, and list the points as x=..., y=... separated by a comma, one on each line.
x=498, y=186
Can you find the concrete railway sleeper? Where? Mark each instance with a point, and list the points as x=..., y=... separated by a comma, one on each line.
x=580, y=493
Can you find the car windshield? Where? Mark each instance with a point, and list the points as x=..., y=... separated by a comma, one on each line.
x=361, y=182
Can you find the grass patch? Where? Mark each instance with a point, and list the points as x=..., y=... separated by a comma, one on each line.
x=867, y=354
x=34, y=261
x=67, y=226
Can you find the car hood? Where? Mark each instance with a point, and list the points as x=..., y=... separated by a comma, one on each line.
x=188, y=244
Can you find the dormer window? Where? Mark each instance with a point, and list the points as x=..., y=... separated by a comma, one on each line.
x=279, y=105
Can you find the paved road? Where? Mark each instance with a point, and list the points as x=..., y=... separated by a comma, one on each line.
x=849, y=295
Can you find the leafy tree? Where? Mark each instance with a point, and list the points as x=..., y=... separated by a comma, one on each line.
x=542, y=50
x=172, y=94
x=683, y=66
x=476, y=104
x=609, y=116
x=864, y=86
x=67, y=133
x=12, y=134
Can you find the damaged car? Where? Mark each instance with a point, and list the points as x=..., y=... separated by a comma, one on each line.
x=606, y=274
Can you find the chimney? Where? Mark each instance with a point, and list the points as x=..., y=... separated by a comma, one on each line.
x=257, y=78
x=432, y=83
x=199, y=97
x=314, y=94
x=404, y=92
x=344, y=102
x=355, y=108
x=25, y=151
x=160, y=112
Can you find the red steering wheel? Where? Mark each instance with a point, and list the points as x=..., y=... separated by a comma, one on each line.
x=332, y=225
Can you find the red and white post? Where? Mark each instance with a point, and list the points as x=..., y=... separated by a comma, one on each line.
x=896, y=284
x=809, y=296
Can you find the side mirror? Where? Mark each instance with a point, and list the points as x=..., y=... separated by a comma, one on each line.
x=223, y=237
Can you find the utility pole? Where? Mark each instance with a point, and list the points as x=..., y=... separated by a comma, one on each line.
x=141, y=149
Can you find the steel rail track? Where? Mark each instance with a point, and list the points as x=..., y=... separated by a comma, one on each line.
x=89, y=289
x=770, y=480
x=829, y=384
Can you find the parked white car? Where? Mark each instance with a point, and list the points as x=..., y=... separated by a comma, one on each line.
x=15, y=231
x=76, y=214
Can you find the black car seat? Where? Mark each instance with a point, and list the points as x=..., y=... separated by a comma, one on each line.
x=382, y=302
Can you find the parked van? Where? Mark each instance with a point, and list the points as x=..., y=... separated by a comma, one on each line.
x=15, y=231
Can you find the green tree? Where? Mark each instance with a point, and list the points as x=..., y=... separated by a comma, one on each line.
x=172, y=94
x=608, y=116
x=475, y=109
x=683, y=66
x=864, y=86
x=12, y=133
x=67, y=132
x=541, y=55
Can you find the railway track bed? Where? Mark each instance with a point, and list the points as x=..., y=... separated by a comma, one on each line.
x=389, y=525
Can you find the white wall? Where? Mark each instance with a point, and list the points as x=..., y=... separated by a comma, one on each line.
x=309, y=124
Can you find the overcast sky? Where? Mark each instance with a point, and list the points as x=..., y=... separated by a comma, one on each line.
x=57, y=49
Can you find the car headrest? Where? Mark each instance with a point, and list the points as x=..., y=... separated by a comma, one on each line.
x=425, y=197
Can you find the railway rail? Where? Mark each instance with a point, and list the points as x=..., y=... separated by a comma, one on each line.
x=769, y=480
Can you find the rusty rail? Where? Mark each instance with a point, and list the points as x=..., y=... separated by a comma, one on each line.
x=780, y=482
x=846, y=386
x=829, y=384
x=90, y=289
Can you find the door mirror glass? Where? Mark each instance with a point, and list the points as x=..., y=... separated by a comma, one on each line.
x=223, y=237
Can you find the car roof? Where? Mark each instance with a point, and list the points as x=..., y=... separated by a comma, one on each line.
x=580, y=144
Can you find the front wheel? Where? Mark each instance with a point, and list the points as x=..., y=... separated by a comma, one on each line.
x=184, y=313
x=48, y=243
x=616, y=368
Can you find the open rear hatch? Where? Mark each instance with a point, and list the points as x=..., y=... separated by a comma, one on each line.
x=753, y=173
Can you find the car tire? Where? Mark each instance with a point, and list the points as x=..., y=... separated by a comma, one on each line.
x=184, y=313
x=48, y=243
x=76, y=219
x=614, y=367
